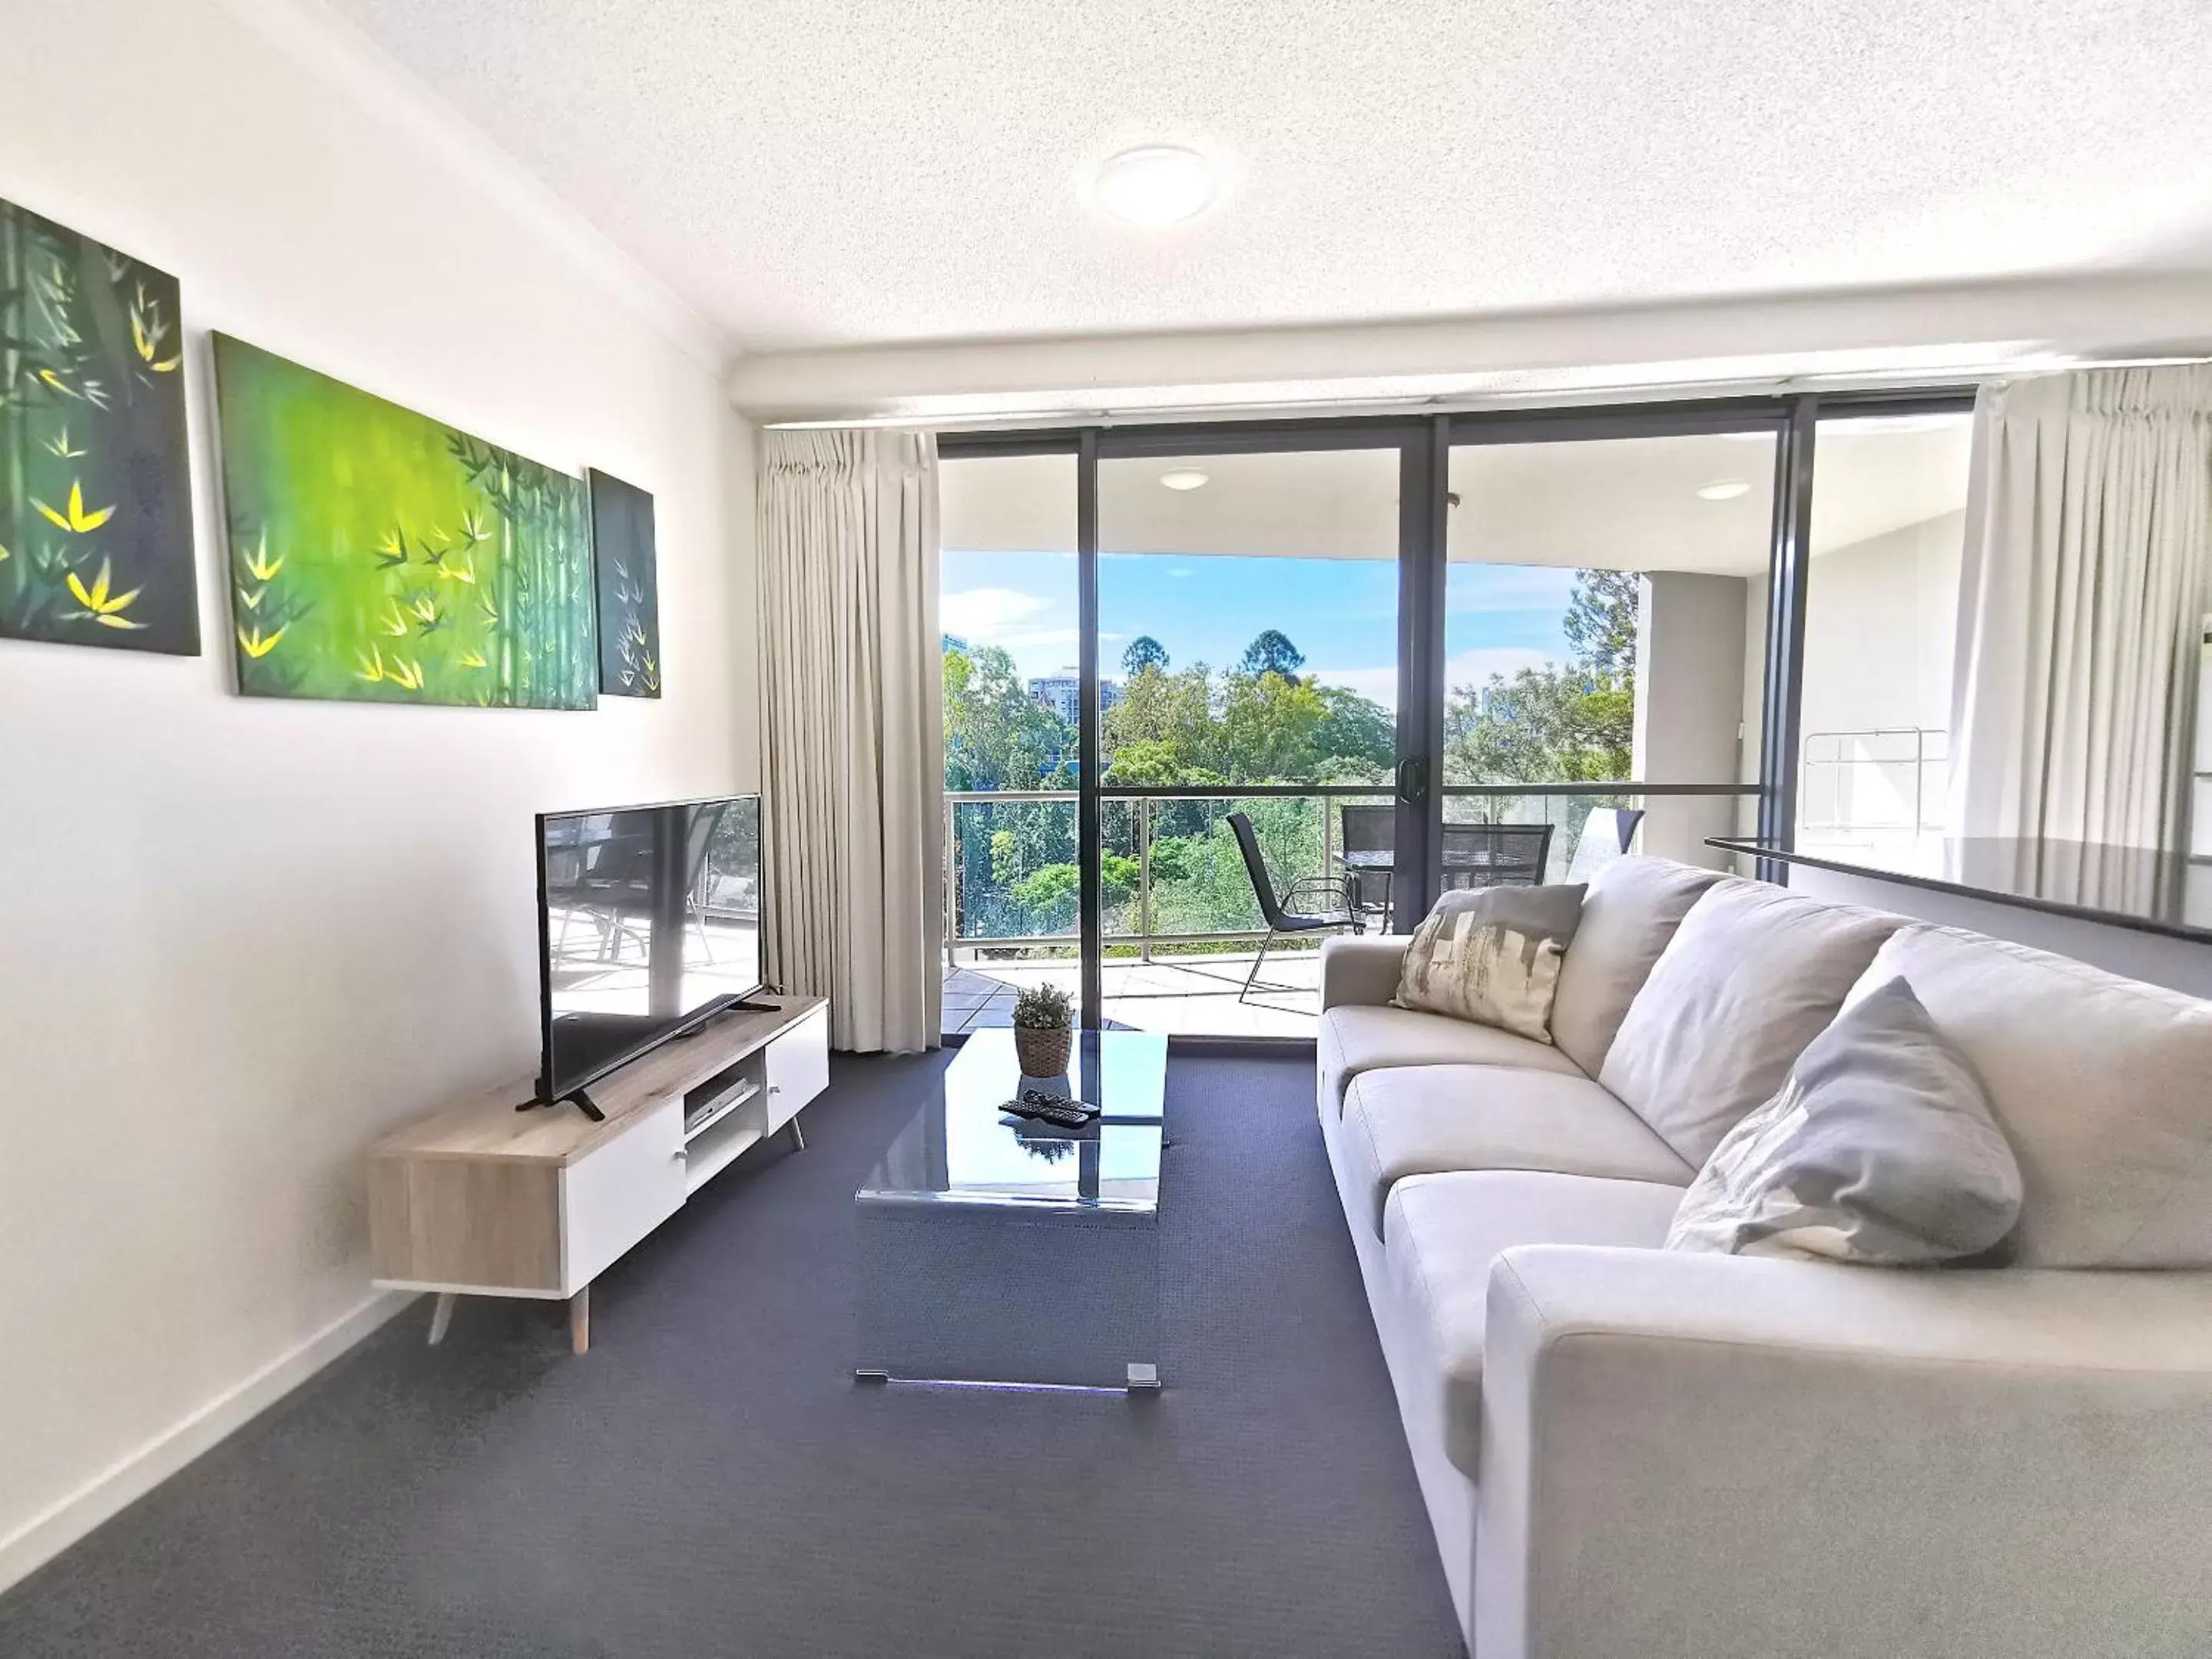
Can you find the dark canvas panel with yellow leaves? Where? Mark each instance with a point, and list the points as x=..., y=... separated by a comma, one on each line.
x=629, y=588
x=379, y=554
x=95, y=494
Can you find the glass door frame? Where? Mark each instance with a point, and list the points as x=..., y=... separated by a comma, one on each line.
x=1425, y=443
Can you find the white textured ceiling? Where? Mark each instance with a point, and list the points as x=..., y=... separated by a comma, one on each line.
x=820, y=172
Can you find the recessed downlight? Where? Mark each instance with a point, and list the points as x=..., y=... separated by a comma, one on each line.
x=1724, y=489
x=1154, y=186
x=1184, y=477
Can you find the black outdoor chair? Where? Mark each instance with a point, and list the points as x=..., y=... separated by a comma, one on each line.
x=1281, y=921
x=1605, y=839
x=1496, y=855
x=1369, y=829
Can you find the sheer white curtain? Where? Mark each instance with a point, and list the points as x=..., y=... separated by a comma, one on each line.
x=854, y=742
x=2082, y=606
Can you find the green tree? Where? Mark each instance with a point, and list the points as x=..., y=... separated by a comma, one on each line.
x=1267, y=728
x=1166, y=722
x=1144, y=652
x=1358, y=739
x=996, y=736
x=1601, y=621
x=1564, y=723
x=1272, y=652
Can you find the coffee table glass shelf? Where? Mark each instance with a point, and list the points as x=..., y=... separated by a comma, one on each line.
x=989, y=1252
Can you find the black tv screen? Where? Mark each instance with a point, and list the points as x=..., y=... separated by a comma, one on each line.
x=649, y=920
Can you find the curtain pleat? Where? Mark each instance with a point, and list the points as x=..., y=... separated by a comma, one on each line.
x=853, y=740
x=2081, y=607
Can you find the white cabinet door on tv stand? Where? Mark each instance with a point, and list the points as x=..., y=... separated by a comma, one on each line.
x=481, y=1200
x=798, y=1070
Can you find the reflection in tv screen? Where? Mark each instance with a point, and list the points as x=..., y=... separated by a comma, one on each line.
x=651, y=921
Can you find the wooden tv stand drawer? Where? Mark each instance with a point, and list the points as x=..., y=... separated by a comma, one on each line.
x=482, y=1199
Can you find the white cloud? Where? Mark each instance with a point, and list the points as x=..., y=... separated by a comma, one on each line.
x=995, y=615
x=1027, y=639
x=1468, y=668
x=1475, y=667
x=1379, y=685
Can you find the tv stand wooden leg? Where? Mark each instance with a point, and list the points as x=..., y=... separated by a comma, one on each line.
x=798, y=1136
x=580, y=1320
x=441, y=1316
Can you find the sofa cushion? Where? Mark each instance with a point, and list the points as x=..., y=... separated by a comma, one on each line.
x=1356, y=1038
x=1493, y=955
x=1879, y=1148
x=1631, y=911
x=1753, y=974
x=2102, y=1084
x=1441, y=1233
x=1423, y=1119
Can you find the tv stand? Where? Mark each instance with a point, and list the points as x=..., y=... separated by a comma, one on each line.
x=479, y=1201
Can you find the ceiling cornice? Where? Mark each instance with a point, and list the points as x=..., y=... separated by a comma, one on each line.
x=333, y=49
x=1916, y=333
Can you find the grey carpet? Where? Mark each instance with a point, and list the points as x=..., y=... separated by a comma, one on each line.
x=709, y=1480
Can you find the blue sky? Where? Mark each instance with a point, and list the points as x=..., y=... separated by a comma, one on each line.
x=1342, y=613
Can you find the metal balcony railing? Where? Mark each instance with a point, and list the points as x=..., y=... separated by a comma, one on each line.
x=1174, y=881
x=1877, y=778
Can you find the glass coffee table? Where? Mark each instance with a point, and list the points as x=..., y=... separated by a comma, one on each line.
x=989, y=1252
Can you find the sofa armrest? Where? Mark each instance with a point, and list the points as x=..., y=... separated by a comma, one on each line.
x=1358, y=971
x=1723, y=1456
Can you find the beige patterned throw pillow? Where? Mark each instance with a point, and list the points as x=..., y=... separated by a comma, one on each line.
x=1492, y=956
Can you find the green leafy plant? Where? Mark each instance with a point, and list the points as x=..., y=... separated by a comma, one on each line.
x=1044, y=1008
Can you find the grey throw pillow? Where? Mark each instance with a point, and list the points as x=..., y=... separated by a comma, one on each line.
x=1492, y=955
x=1880, y=1148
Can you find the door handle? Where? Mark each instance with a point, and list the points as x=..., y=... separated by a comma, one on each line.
x=1413, y=780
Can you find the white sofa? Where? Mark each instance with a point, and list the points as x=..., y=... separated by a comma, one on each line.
x=1631, y=1452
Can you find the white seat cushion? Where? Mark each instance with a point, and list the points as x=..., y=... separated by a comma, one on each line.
x=1753, y=974
x=1632, y=909
x=1424, y=1120
x=2103, y=1086
x=1441, y=1234
x=1355, y=1039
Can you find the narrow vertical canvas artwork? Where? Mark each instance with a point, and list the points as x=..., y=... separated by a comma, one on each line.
x=95, y=491
x=628, y=588
x=379, y=554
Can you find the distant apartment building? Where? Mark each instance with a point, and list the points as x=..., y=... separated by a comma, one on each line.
x=956, y=642
x=1062, y=693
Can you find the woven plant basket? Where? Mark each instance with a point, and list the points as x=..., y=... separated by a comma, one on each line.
x=1043, y=1052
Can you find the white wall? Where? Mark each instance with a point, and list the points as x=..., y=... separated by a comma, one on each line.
x=2179, y=964
x=1880, y=618
x=240, y=939
x=1690, y=663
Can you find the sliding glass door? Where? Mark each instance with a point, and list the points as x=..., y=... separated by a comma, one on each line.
x=1605, y=643
x=1248, y=680
x=1008, y=604
x=1206, y=686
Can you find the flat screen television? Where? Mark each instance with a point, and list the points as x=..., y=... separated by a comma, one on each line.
x=649, y=922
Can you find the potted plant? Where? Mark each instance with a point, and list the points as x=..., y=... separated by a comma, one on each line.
x=1044, y=1030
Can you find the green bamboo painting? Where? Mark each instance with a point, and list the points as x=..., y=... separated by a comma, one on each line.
x=628, y=587
x=376, y=554
x=95, y=491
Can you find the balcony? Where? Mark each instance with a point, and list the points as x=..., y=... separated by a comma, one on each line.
x=1183, y=930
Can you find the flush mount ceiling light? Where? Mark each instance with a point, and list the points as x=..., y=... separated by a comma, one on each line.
x=1156, y=186
x=1184, y=477
x=1724, y=489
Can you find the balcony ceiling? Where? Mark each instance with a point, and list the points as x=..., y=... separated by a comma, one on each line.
x=811, y=172
x=1626, y=505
